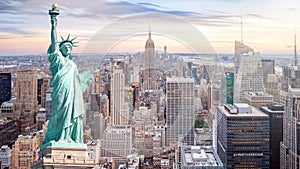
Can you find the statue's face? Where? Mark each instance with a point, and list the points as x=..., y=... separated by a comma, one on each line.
x=66, y=49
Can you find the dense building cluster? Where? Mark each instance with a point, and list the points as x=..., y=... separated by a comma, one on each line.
x=158, y=110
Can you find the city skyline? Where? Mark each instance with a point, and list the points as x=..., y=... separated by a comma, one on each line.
x=148, y=86
x=267, y=27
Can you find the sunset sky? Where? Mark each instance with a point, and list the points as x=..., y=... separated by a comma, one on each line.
x=122, y=26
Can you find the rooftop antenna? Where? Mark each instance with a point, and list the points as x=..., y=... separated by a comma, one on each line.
x=149, y=30
x=295, y=52
x=241, y=29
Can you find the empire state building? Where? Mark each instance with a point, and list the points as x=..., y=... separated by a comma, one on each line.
x=149, y=82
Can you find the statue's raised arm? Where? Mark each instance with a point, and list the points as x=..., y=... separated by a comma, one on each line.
x=53, y=13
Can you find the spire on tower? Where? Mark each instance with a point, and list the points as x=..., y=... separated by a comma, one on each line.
x=242, y=29
x=295, y=52
x=149, y=31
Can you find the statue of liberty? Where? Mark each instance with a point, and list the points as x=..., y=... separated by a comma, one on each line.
x=65, y=127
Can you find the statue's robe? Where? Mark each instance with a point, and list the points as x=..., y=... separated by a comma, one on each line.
x=66, y=120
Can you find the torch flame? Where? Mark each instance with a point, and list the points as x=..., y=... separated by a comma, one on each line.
x=54, y=6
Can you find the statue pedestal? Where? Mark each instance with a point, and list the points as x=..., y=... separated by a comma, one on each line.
x=63, y=158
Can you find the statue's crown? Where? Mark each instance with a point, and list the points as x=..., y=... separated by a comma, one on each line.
x=68, y=40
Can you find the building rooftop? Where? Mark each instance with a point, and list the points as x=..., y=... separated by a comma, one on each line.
x=42, y=109
x=180, y=79
x=9, y=103
x=295, y=91
x=4, y=121
x=258, y=94
x=272, y=111
x=133, y=161
x=255, y=112
x=200, y=156
x=241, y=105
x=118, y=129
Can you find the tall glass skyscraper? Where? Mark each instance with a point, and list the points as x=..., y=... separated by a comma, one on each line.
x=5, y=87
x=180, y=115
x=248, y=72
x=275, y=113
x=229, y=80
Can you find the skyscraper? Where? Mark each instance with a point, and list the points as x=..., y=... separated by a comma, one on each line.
x=5, y=87
x=290, y=98
x=149, y=82
x=248, y=72
x=27, y=102
x=290, y=147
x=275, y=113
x=268, y=66
x=98, y=125
x=272, y=86
x=229, y=82
x=96, y=88
x=165, y=52
x=117, y=95
x=180, y=115
x=48, y=104
x=43, y=87
x=243, y=137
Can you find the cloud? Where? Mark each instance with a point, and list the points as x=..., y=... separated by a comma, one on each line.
x=291, y=9
x=24, y=18
x=9, y=6
x=100, y=10
x=230, y=1
x=13, y=30
x=255, y=16
x=7, y=36
x=151, y=5
x=222, y=41
x=125, y=8
x=77, y=12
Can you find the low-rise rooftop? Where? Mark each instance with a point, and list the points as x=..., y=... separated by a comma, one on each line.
x=255, y=112
x=196, y=156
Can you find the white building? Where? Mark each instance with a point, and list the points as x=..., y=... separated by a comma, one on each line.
x=98, y=125
x=117, y=141
x=7, y=109
x=197, y=157
x=93, y=149
x=5, y=157
x=248, y=72
x=117, y=91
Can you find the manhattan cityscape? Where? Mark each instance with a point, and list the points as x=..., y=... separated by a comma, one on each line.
x=139, y=85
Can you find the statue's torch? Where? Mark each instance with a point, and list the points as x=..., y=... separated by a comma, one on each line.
x=54, y=11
